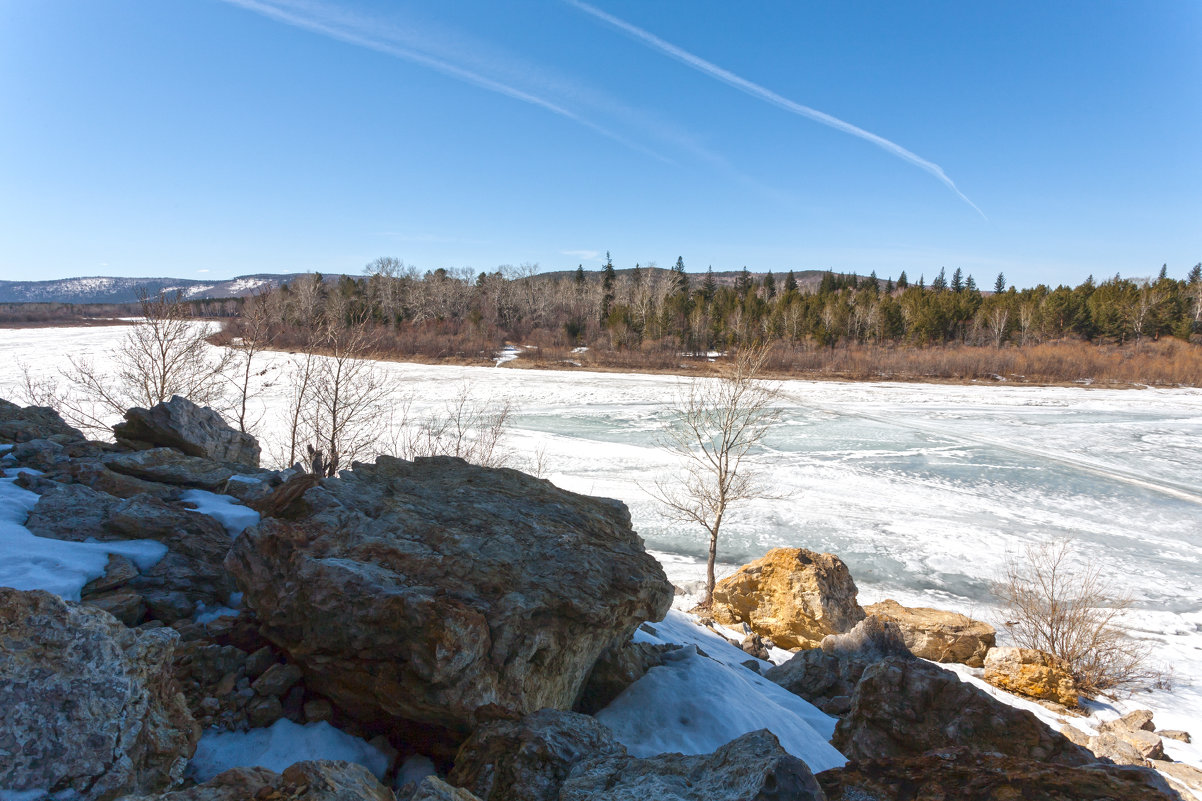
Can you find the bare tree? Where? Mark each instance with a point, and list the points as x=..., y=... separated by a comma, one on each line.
x=165, y=354
x=255, y=337
x=1069, y=613
x=469, y=428
x=713, y=426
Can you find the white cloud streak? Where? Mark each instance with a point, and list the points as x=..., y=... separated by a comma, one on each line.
x=360, y=32
x=767, y=95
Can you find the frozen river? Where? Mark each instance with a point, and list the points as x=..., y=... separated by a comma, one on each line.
x=922, y=489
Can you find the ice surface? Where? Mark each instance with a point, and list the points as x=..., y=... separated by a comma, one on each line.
x=279, y=746
x=58, y=566
x=922, y=489
x=693, y=704
x=222, y=508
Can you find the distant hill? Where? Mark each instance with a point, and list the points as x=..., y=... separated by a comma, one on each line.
x=125, y=290
x=806, y=279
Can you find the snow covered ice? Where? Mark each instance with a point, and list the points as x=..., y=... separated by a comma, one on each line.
x=923, y=490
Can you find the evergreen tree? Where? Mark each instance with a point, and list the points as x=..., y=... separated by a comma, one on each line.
x=958, y=280
x=790, y=283
x=607, y=288
x=970, y=284
x=1164, y=272
x=922, y=281
x=579, y=275
x=940, y=282
x=709, y=287
x=889, y=286
x=902, y=281
x=743, y=282
x=769, y=286
x=999, y=286
x=680, y=280
x=828, y=283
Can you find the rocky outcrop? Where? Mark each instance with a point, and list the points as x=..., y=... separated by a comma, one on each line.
x=529, y=759
x=965, y=773
x=319, y=780
x=1035, y=674
x=938, y=635
x=196, y=430
x=906, y=707
x=169, y=466
x=827, y=676
x=753, y=767
x=424, y=591
x=792, y=596
x=87, y=706
x=433, y=788
x=191, y=572
x=22, y=424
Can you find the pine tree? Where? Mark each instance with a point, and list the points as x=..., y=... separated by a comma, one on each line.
x=709, y=287
x=922, y=281
x=743, y=282
x=1164, y=272
x=940, y=282
x=680, y=285
x=889, y=286
x=958, y=280
x=607, y=288
x=902, y=281
x=790, y=282
x=999, y=286
x=769, y=286
x=579, y=275
x=970, y=284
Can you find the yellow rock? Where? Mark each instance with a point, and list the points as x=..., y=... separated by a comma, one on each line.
x=792, y=595
x=938, y=635
x=1035, y=674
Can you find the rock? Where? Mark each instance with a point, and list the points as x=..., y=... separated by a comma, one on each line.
x=906, y=707
x=19, y=424
x=277, y=680
x=261, y=712
x=192, y=570
x=39, y=454
x=321, y=780
x=1035, y=674
x=169, y=466
x=317, y=710
x=87, y=706
x=124, y=604
x=287, y=500
x=258, y=662
x=752, y=767
x=196, y=430
x=433, y=788
x=1186, y=779
x=617, y=668
x=937, y=635
x=117, y=572
x=964, y=773
x=94, y=474
x=753, y=644
x=827, y=676
x=529, y=759
x=1136, y=720
x=791, y=595
x=1147, y=744
x=1174, y=734
x=423, y=591
x=1075, y=735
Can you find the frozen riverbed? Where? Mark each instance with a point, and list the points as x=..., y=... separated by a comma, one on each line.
x=922, y=489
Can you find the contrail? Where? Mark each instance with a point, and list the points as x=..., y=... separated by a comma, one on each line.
x=348, y=31
x=755, y=90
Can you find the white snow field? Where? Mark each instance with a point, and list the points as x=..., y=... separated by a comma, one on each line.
x=924, y=490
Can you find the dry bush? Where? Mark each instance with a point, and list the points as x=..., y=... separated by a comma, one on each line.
x=1052, y=606
x=469, y=428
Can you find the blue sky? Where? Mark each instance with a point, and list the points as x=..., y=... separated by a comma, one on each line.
x=213, y=138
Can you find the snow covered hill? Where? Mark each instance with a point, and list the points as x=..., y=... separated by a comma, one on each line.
x=100, y=289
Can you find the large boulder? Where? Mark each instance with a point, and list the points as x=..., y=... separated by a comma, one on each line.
x=791, y=595
x=938, y=635
x=827, y=676
x=23, y=424
x=196, y=430
x=88, y=707
x=169, y=466
x=1035, y=674
x=424, y=591
x=529, y=759
x=752, y=767
x=319, y=780
x=965, y=773
x=906, y=707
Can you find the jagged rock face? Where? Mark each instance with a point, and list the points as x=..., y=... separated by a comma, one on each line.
x=827, y=676
x=906, y=707
x=22, y=424
x=617, y=668
x=192, y=571
x=753, y=767
x=1035, y=674
x=196, y=430
x=937, y=635
x=529, y=759
x=319, y=780
x=793, y=596
x=169, y=466
x=86, y=704
x=964, y=773
x=423, y=591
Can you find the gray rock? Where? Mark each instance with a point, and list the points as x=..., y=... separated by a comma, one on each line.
x=169, y=466
x=277, y=680
x=319, y=780
x=87, y=705
x=424, y=591
x=19, y=424
x=263, y=711
x=906, y=707
x=196, y=430
x=617, y=668
x=529, y=759
x=753, y=767
x=433, y=788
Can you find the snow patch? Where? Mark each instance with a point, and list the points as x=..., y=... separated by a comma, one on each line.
x=280, y=746
x=225, y=510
